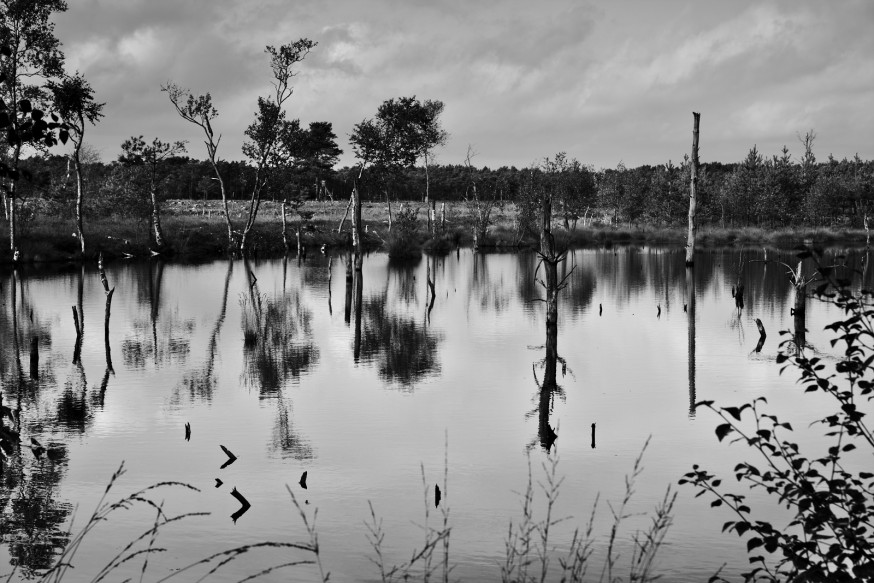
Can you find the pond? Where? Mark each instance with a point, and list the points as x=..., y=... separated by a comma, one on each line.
x=375, y=395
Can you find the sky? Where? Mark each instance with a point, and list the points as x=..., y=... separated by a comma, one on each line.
x=602, y=81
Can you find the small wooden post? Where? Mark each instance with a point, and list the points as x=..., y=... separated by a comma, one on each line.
x=442, y=217
x=34, y=357
x=693, y=193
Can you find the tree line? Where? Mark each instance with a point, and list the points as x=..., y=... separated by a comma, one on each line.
x=763, y=191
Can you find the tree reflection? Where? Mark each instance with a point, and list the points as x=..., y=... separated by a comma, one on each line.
x=403, y=351
x=32, y=517
x=403, y=272
x=200, y=384
x=144, y=344
x=279, y=341
x=548, y=390
x=286, y=440
x=690, y=313
x=580, y=283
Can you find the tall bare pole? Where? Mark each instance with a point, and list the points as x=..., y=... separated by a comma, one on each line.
x=693, y=192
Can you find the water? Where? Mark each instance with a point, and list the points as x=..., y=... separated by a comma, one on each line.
x=459, y=382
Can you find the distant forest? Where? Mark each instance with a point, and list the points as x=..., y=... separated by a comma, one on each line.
x=763, y=190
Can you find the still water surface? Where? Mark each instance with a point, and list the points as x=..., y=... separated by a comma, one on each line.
x=363, y=418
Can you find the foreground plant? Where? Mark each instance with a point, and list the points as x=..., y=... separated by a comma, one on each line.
x=831, y=497
x=143, y=547
x=529, y=550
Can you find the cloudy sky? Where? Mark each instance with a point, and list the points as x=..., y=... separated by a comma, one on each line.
x=603, y=81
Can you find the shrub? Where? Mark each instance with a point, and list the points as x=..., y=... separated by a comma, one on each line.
x=403, y=242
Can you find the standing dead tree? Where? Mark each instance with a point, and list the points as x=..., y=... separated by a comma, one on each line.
x=693, y=193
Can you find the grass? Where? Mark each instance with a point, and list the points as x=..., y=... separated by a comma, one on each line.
x=196, y=231
x=531, y=553
x=134, y=557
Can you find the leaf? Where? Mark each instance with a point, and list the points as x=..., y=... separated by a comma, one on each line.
x=864, y=569
x=24, y=105
x=716, y=503
x=754, y=543
x=723, y=430
x=64, y=136
x=733, y=411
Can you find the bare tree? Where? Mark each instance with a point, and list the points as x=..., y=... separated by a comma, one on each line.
x=200, y=111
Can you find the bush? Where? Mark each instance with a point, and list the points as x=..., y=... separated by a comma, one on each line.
x=403, y=242
x=831, y=536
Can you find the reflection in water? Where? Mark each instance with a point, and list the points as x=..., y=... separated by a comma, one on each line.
x=31, y=514
x=199, y=384
x=404, y=352
x=404, y=274
x=32, y=517
x=146, y=341
x=394, y=347
x=548, y=390
x=492, y=293
x=358, y=293
x=690, y=314
x=280, y=344
x=347, y=308
x=580, y=284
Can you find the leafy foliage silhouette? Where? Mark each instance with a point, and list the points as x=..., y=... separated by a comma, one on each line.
x=831, y=534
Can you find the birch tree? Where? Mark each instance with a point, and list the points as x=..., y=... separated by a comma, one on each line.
x=74, y=101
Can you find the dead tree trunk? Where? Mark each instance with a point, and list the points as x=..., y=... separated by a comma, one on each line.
x=356, y=227
x=799, y=312
x=80, y=196
x=156, y=220
x=550, y=268
x=106, y=315
x=346, y=214
x=284, y=226
x=693, y=194
x=388, y=203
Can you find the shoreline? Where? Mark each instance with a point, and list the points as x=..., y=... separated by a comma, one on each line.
x=197, y=232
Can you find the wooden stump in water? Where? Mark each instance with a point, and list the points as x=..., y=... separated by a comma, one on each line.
x=34, y=357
